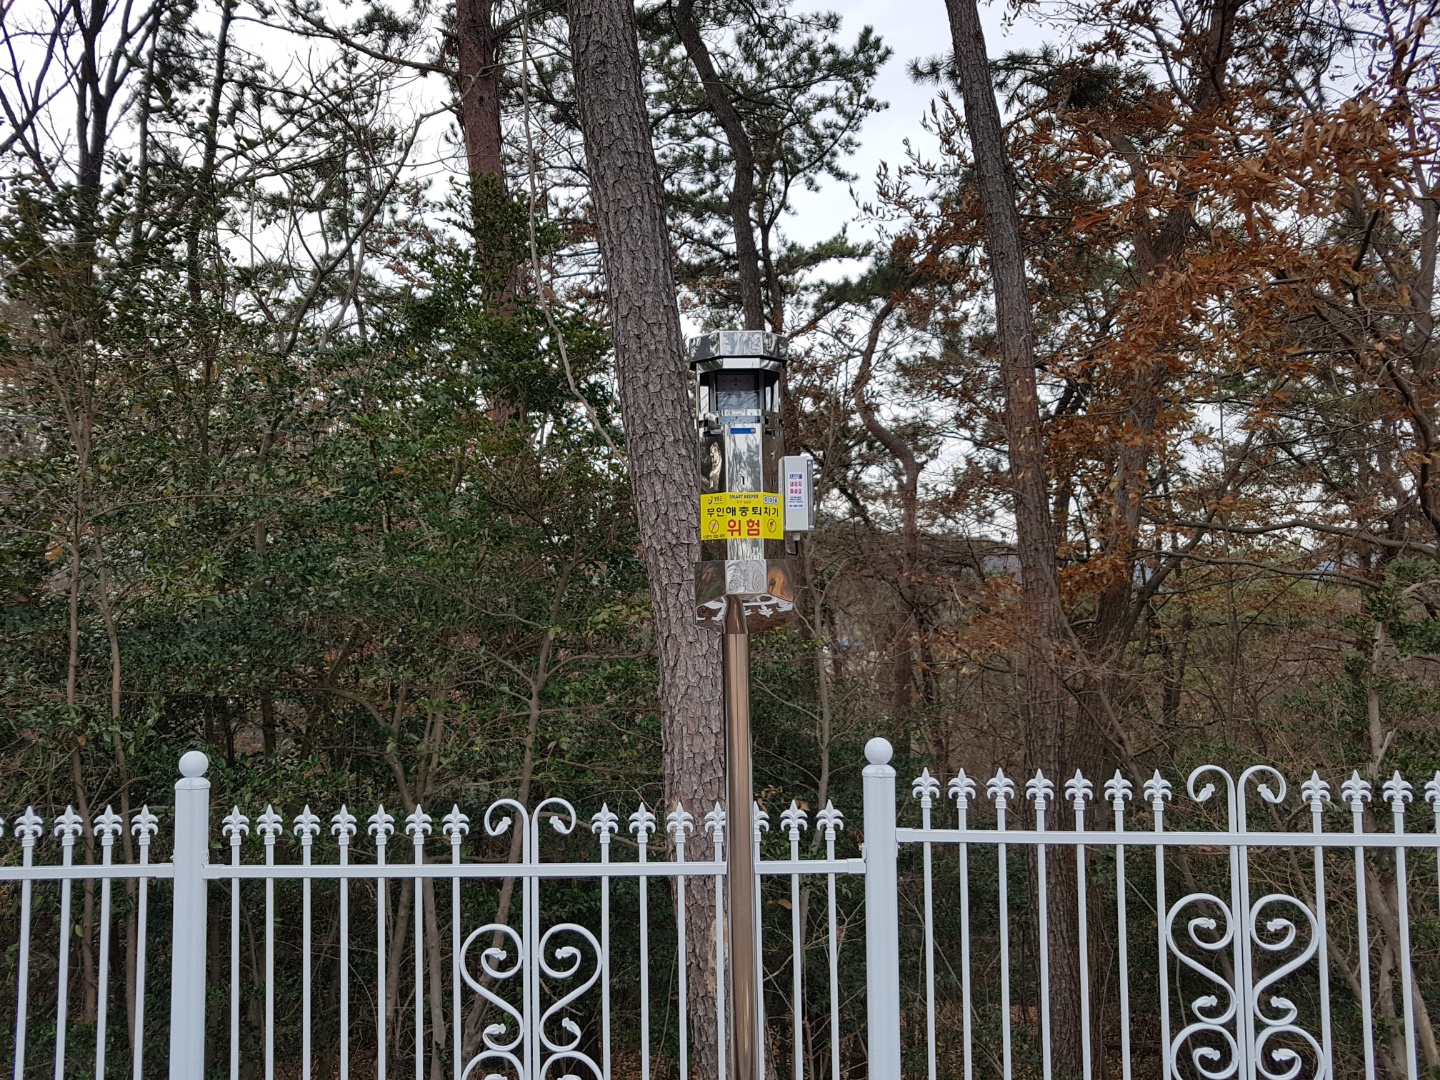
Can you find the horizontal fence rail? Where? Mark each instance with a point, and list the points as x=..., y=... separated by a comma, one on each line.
x=1230, y=927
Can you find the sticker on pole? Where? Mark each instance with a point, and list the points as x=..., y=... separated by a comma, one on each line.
x=741, y=515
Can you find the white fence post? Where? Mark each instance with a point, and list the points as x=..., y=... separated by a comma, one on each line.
x=187, y=944
x=882, y=914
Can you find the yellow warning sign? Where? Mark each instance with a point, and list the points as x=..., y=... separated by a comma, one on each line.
x=741, y=515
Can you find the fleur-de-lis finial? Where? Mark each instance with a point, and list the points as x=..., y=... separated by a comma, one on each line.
x=642, y=824
x=762, y=820
x=1398, y=792
x=715, y=822
x=1118, y=789
x=2, y=826
x=306, y=826
x=68, y=826
x=1000, y=789
x=269, y=825
x=1355, y=791
x=925, y=788
x=1432, y=795
x=107, y=826
x=1040, y=791
x=679, y=823
x=144, y=825
x=381, y=825
x=29, y=826
x=795, y=821
x=235, y=825
x=342, y=825
x=1078, y=789
x=604, y=822
x=1157, y=790
x=455, y=824
x=1315, y=791
x=962, y=790
x=418, y=825
x=831, y=820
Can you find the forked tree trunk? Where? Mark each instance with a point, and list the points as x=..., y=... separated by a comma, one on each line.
x=1045, y=692
x=659, y=436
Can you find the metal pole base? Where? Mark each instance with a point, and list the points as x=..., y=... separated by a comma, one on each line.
x=744, y=979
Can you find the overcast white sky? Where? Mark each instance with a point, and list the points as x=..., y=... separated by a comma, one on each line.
x=912, y=28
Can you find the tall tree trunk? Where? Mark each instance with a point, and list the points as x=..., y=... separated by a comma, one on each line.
x=1045, y=692
x=477, y=86
x=659, y=438
x=742, y=191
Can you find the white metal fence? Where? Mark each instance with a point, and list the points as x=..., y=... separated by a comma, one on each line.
x=1206, y=951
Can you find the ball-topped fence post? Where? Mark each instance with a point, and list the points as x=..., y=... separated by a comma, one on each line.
x=882, y=914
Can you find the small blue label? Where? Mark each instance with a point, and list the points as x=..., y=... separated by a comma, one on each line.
x=742, y=431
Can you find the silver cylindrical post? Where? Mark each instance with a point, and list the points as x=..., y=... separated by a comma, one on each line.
x=740, y=862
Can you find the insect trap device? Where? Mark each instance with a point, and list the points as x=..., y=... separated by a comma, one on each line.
x=753, y=498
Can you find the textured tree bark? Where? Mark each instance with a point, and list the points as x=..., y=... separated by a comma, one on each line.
x=1045, y=692
x=477, y=86
x=659, y=438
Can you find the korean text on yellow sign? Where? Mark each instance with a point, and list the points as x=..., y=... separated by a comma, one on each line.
x=741, y=515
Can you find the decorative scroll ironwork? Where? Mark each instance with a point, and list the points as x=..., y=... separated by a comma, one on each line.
x=528, y=1042
x=1240, y=1024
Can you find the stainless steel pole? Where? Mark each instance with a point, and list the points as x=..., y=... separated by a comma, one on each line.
x=740, y=862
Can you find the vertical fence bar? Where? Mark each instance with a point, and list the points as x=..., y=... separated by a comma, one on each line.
x=418, y=825
x=1356, y=792
x=1398, y=792
x=831, y=820
x=236, y=825
x=269, y=825
x=642, y=824
x=67, y=827
x=1317, y=793
x=381, y=825
x=1432, y=796
x=143, y=827
x=761, y=822
x=107, y=827
x=1240, y=907
x=882, y=914
x=530, y=941
x=1040, y=791
x=455, y=826
x=715, y=826
x=1001, y=789
x=962, y=790
x=1117, y=790
x=679, y=822
x=1157, y=790
x=793, y=820
x=926, y=788
x=342, y=826
x=28, y=828
x=1077, y=790
x=603, y=825
x=187, y=935
x=306, y=826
